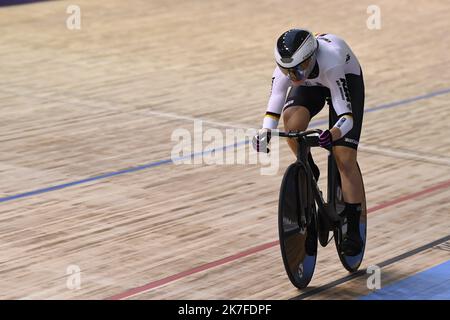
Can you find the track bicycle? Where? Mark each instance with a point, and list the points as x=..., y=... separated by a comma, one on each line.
x=304, y=217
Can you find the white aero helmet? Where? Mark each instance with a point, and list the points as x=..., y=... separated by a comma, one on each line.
x=295, y=53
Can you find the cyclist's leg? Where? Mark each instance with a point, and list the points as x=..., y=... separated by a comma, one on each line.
x=303, y=103
x=351, y=179
x=295, y=118
x=345, y=151
x=353, y=192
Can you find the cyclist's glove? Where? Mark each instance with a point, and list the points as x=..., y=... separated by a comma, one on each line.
x=261, y=140
x=325, y=139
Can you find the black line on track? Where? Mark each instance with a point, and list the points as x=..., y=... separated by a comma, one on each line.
x=360, y=273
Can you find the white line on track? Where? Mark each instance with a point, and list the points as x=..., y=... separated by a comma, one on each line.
x=111, y=106
x=100, y=104
x=404, y=154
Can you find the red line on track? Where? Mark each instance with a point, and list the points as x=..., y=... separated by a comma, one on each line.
x=210, y=265
x=436, y=187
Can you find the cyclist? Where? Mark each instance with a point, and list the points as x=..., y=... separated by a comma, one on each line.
x=311, y=70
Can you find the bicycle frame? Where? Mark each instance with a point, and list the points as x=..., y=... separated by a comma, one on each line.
x=304, y=142
x=326, y=218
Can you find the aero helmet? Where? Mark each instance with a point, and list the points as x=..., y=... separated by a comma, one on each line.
x=295, y=53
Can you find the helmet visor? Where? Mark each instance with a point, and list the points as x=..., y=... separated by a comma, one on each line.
x=298, y=72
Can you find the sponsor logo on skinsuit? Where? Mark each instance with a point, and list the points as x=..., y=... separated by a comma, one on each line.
x=341, y=122
x=288, y=103
x=351, y=141
x=343, y=88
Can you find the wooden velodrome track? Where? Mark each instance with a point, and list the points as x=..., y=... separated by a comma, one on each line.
x=79, y=104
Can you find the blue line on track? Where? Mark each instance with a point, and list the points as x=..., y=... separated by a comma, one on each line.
x=169, y=161
x=431, y=284
x=116, y=173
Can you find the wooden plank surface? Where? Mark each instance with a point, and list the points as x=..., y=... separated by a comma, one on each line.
x=106, y=98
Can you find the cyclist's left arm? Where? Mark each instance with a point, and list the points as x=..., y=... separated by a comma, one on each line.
x=340, y=97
